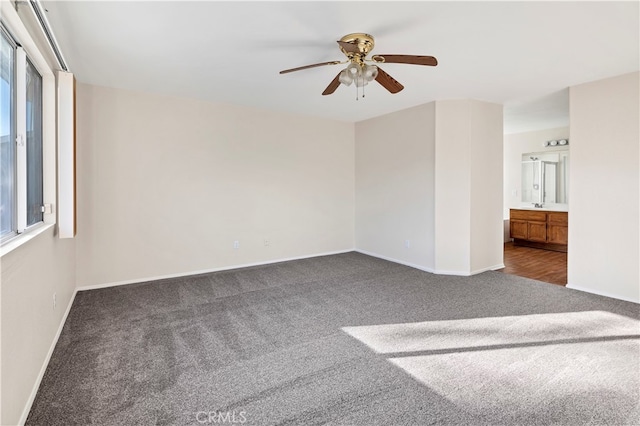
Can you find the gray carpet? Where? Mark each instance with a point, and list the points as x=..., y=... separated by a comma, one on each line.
x=343, y=340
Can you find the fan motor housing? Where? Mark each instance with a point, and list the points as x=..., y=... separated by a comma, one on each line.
x=364, y=42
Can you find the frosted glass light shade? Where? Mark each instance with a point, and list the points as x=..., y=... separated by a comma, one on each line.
x=345, y=78
x=357, y=73
x=353, y=69
x=361, y=82
x=370, y=72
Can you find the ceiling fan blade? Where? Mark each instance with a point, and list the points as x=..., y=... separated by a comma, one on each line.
x=332, y=86
x=406, y=59
x=310, y=66
x=349, y=47
x=388, y=82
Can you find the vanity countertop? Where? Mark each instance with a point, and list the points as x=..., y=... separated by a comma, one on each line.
x=551, y=207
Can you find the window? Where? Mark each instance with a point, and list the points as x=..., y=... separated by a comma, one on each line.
x=34, y=145
x=21, y=192
x=7, y=137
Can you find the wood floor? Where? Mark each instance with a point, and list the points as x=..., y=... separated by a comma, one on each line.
x=542, y=265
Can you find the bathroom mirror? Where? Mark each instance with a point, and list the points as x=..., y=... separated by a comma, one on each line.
x=545, y=177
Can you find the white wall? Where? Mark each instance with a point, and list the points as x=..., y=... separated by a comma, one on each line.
x=453, y=188
x=165, y=185
x=30, y=275
x=515, y=145
x=395, y=186
x=604, y=229
x=35, y=265
x=468, y=178
x=486, y=151
x=432, y=175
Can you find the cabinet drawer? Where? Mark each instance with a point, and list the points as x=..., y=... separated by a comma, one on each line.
x=528, y=215
x=559, y=218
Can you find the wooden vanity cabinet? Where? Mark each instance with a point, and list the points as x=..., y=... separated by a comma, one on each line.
x=539, y=228
x=558, y=227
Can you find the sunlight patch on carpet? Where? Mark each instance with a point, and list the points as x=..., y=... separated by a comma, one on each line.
x=482, y=332
x=493, y=364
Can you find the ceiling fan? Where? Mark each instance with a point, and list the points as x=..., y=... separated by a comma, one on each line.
x=356, y=47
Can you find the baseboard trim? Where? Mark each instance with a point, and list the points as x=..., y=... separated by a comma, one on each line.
x=207, y=271
x=43, y=369
x=430, y=270
x=468, y=274
x=391, y=259
x=489, y=268
x=600, y=293
x=455, y=273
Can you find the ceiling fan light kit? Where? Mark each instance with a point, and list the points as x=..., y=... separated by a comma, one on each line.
x=356, y=47
x=361, y=74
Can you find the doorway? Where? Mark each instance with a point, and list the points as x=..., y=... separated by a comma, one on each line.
x=538, y=264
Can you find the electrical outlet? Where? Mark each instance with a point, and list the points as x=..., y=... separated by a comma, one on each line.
x=236, y=244
x=267, y=242
x=55, y=301
x=407, y=243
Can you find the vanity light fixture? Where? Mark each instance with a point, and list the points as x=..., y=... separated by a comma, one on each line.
x=556, y=142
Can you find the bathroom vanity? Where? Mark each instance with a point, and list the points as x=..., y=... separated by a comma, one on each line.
x=539, y=228
x=542, y=220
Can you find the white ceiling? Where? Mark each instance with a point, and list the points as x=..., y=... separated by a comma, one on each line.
x=521, y=54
